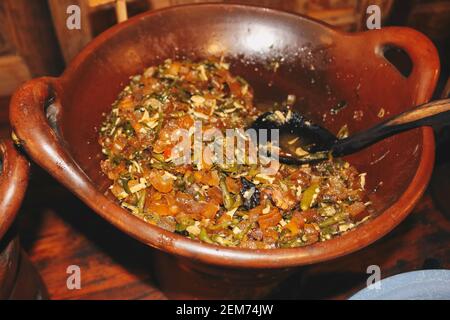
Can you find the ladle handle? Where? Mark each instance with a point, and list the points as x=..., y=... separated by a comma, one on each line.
x=428, y=114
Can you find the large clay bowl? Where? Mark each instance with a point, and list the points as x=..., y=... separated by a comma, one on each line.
x=57, y=119
x=18, y=278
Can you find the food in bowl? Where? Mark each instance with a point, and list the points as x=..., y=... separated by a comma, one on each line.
x=228, y=203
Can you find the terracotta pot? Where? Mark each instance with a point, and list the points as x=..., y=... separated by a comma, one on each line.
x=57, y=119
x=18, y=278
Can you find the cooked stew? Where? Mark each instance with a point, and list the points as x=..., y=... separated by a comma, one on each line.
x=223, y=203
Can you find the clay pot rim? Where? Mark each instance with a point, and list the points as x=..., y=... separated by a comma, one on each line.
x=13, y=183
x=236, y=257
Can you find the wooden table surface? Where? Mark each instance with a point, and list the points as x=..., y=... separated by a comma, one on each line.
x=57, y=231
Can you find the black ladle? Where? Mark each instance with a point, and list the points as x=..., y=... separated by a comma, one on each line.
x=321, y=143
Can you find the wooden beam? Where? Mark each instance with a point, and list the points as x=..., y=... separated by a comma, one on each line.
x=71, y=41
x=27, y=26
x=13, y=72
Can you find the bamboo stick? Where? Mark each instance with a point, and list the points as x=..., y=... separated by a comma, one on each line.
x=121, y=10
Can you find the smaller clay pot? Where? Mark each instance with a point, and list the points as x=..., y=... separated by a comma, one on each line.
x=18, y=278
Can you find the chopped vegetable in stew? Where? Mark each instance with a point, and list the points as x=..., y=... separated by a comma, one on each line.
x=223, y=204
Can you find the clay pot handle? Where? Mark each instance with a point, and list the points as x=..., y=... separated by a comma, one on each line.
x=13, y=183
x=420, y=49
x=38, y=138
